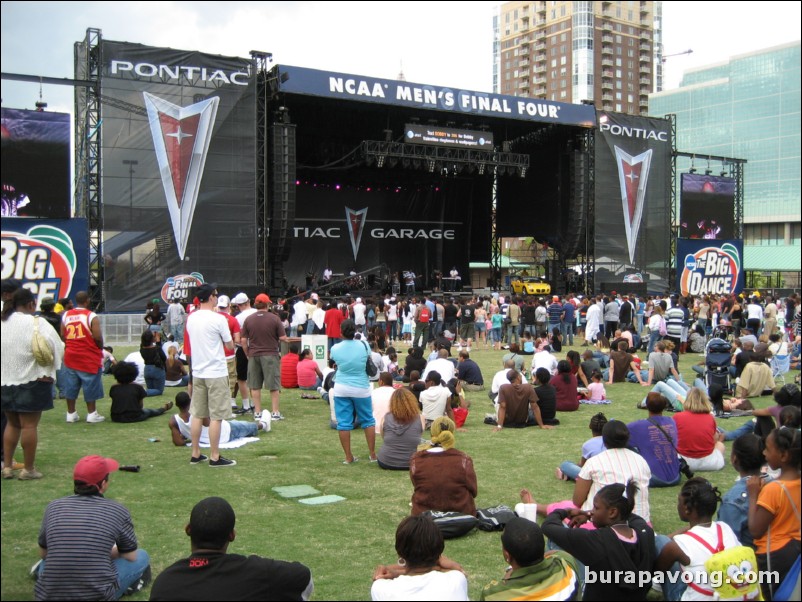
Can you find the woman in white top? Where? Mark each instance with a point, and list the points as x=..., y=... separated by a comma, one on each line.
x=687, y=550
x=27, y=386
x=422, y=572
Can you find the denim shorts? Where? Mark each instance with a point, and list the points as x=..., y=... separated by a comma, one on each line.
x=34, y=396
x=75, y=380
x=240, y=428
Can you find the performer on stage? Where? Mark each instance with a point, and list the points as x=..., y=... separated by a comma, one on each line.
x=326, y=276
x=409, y=281
x=457, y=279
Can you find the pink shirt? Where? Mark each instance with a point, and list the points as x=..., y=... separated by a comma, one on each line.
x=307, y=377
x=597, y=392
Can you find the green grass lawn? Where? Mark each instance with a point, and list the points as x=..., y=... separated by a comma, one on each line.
x=340, y=542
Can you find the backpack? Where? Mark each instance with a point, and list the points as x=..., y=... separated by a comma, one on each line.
x=730, y=571
x=452, y=524
x=662, y=328
x=425, y=314
x=495, y=518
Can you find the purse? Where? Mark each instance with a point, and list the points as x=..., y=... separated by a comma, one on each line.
x=42, y=352
x=370, y=367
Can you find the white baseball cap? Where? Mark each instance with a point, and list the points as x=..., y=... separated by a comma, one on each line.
x=223, y=301
x=239, y=299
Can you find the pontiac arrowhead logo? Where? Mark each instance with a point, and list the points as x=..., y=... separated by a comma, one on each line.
x=356, y=223
x=633, y=175
x=181, y=137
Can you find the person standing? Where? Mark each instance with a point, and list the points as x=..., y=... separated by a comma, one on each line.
x=27, y=387
x=260, y=336
x=176, y=315
x=83, y=358
x=352, y=391
x=87, y=542
x=209, y=336
x=243, y=304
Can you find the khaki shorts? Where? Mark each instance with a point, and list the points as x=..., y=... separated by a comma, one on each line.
x=264, y=371
x=232, y=375
x=210, y=398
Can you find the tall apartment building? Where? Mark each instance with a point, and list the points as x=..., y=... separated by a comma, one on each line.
x=609, y=53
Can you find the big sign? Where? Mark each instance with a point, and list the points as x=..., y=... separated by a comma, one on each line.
x=710, y=267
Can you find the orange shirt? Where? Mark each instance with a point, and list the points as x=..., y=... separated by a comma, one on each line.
x=785, y=525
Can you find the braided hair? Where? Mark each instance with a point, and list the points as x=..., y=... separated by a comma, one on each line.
x=699, y=494
x=597, y=422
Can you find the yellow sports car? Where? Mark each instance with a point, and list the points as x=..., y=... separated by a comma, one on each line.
x=529, y=285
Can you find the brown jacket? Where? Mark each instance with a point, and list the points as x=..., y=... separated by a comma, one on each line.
x=443, y=480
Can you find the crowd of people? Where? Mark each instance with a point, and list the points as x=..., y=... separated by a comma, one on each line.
x=418, y=406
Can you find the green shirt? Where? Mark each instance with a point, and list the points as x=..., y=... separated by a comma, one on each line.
x=554, y=578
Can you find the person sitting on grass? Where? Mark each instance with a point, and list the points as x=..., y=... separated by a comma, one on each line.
x=597, y=394
x=532, y=574
x=127, y=396
x=518, y=404
x=229, y=429
x=289, y=368
x=309, y=375
x=568, y=471
x=422, y=572
x=655, y=438
x=210, y=573
x=746, y=458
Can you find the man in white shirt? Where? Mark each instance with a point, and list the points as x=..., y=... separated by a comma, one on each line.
x=299, y=317
x=209, y=334
x=241, y=301
x=444, y=366
x=544, y=359
x=359, y=314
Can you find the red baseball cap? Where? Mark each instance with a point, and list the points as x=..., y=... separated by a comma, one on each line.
x=262, y=298
x=93, y=469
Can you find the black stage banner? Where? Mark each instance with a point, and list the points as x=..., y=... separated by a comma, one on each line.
x=178, y=159
x=633, y=158
x=421, y=228
x=36, y=164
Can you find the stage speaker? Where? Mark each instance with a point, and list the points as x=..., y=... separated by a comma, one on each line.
x=281, y=201
x=575, y=224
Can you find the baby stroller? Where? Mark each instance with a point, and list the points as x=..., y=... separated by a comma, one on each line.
x=717, y=363
x=723, y=331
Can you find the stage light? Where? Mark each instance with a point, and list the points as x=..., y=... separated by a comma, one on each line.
x=380, y=161
x=708, y=172
x=523, y=172
x=431, y=165
x=723, y=174
x=337, y=187
x=481, y=169
x=692, y=170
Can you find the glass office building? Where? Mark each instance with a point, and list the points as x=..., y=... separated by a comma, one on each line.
x=749, y=107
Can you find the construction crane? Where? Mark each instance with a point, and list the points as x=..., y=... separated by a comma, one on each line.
x=668, y=56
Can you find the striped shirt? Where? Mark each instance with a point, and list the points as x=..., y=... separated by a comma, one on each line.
x=78, y=533
x=553, y=578
x=618, y=466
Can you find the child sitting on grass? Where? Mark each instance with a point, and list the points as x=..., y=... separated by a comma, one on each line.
x=568, y=471
x=126, y=396
x=459, y=405
x=596, y=394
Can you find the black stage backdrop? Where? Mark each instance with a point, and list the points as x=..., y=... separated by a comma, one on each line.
x=178, y=148
x=402, y=219
x=633, y=159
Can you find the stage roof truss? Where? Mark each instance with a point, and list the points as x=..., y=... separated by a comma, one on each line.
x=422, y=156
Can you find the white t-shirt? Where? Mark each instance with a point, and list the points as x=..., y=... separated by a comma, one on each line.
x=136, y=358
x=241, y=316
x=381, y=403
x=359, y=314
x=544, y=359
x=442, y=365
x=185, y=430
x=208, y=331
x=618, y=466
x=434, y=401
x=698, y=554
x=434, y=585
x=299, y=315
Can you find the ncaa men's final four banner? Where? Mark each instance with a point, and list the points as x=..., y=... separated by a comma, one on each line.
x=710, y=267
x=633, y=180
x=179, y=152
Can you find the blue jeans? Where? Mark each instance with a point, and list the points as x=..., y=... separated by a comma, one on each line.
x=746, y=428
x=671, y=591
x=567, y=330
x=669, y=393
x=154, y=380
x=657, y=482
x=128, y=572
x=240, y=429
x=570, y=470
x=512, y=334
x=653, y=338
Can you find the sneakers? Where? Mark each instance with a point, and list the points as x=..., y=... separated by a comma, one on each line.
x=221, y=461
x=8, y=472
x=29, y=475
x=257, y=416
x=74, y=417
x=33, y=573
x=141, y=583
x=265, y=424
x=199, y=459
x=95, y=417
x=239, y=412
x=276, y=416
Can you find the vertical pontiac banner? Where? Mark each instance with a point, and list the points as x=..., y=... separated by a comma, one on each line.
x=710, y=267
x=632, y=198
x=178, y=157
